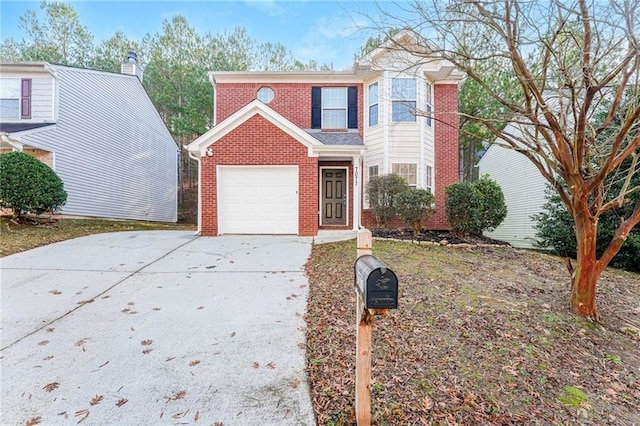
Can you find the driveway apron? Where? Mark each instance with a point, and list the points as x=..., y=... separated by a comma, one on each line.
x=156, y=327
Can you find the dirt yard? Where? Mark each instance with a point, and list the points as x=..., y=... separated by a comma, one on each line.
x=481, y=336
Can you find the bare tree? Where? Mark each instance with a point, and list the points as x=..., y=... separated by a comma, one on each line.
x=575, y=103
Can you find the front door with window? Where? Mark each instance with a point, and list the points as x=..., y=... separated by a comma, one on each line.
x=334, y=197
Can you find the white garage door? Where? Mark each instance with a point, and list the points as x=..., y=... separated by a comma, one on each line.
x=258, y=199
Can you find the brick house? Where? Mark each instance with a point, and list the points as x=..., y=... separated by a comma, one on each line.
x=292, y=151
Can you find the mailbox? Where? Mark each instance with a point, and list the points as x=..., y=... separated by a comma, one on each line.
x=377, y=284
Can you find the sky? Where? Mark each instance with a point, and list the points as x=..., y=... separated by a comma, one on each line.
x=327, y=31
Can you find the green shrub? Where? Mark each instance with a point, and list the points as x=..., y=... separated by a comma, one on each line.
x=462, y=206
x=380, y=192
x=473, y=208
x=555, y=230
x=414, y=206
x=493, y=209
x=28, y=185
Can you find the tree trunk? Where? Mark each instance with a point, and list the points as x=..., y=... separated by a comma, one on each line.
x=587, y=270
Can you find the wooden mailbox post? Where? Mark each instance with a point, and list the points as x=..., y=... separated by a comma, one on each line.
x=376, y=289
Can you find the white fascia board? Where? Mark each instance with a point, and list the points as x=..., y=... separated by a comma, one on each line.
x=312, y=77
x=242, y=115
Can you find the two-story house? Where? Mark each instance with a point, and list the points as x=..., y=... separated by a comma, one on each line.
x=292, y=151
x=98, y=131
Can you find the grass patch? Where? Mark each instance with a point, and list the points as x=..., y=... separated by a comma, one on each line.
x=18, y=237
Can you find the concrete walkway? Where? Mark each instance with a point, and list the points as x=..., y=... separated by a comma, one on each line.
x=156, y=328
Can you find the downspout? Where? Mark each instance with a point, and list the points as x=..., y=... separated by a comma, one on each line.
x=14, y=143
x=359, y=172
x=197, y=158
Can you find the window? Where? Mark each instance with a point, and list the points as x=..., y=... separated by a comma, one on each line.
x=373, y=104
x=428, y=103
x=265, y=95
x=403, y=98
x=10, y=98
x=406, y=171
x=429, y=180
x=373, y=171
x=334, y=107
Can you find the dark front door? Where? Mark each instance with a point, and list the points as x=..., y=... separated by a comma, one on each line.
x=334, y=197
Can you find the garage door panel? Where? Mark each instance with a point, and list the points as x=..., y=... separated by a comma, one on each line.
x=258, y=200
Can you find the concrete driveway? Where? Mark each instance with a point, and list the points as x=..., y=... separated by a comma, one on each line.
x=156, y=328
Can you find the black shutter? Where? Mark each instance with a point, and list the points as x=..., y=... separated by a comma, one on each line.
x=316, y=107
x=352, y=105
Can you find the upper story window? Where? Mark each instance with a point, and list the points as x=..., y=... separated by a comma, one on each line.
x=406, y=171
x=334, y=107
x=403, y=98
x=15, y=98
x=10, y=98
x=429, y=181
x=428, y=103
x=265, y=95
x=373, y=104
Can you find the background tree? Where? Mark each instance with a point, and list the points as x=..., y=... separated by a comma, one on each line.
x=567, y=57
x=54, y=35
x=110, y=53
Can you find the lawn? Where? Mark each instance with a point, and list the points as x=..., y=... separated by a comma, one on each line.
x=481, y=336
x=17, y=237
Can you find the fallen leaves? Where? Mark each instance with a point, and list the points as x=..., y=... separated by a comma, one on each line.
x=50, y=387
x=96, y=400
x=34, y=421
x=178, y=395
x=121, y=402
x=482, y=336
x=194, y=363
x=146, y=342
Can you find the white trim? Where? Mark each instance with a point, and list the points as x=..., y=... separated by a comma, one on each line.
x=316, y=77
x=346, y=181
x=236, y=119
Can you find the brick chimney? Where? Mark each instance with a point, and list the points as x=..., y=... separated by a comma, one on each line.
x=131, y=66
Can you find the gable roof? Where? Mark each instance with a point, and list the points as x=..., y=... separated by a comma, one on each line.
x=256, y=107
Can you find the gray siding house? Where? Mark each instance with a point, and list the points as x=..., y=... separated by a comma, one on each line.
x=99, y=131
x=523, y=187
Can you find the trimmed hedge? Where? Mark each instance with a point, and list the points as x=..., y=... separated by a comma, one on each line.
x=28, y=185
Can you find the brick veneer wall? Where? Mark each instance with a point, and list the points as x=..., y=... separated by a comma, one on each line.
x=446, y=148
x=291, y=100
x=258, y=142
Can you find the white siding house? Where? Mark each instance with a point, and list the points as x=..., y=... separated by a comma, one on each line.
x=523, y=187
x=101, y=134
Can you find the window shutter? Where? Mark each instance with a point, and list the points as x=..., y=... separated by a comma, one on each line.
x=352, y=104
x=316, y=107
x=25, y=98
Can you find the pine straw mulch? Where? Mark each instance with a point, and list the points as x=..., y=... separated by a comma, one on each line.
x=483, y=335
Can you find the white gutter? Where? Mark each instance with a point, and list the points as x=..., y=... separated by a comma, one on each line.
x=14, y=143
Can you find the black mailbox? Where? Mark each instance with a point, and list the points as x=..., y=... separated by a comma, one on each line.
x=377, y=284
